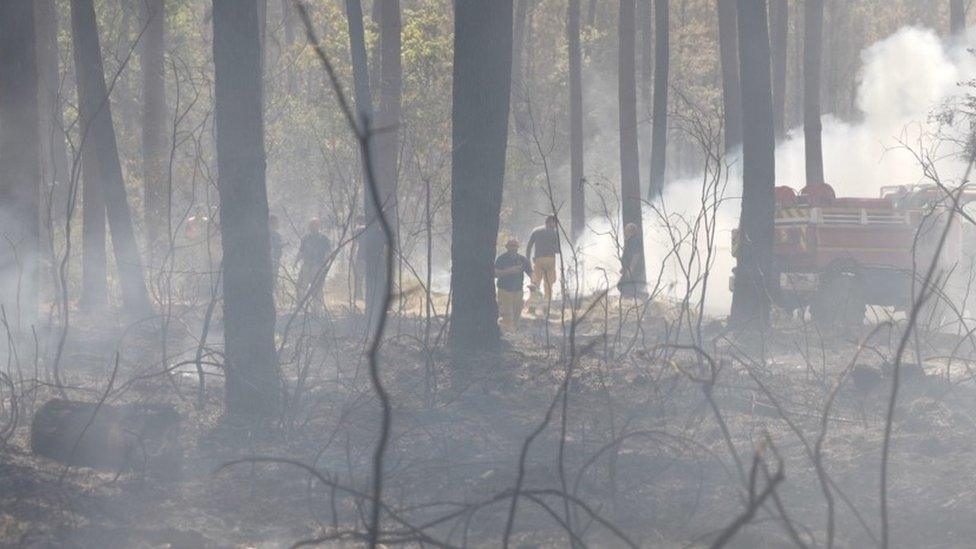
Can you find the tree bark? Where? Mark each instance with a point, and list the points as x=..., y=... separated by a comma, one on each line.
x=659, y=139
x=576, y=178
x=249, y=311
x=481, y=97
x=154, y=149
x=812, y=61
x=96, y=118
x=731, y=89
x=55, y=170
x=957, y=17
x=20, y=175
x=779, y=14
x=646, y=13
x=750, y=297
x=387, y=146
x=627, y=96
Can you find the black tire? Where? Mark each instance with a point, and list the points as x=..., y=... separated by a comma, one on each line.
x=839, y=304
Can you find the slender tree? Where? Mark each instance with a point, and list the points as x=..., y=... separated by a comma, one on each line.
x=659, y=138
x=750, y=297
x=627, y=96
x=100, y=145
x=249, y=311
x=645, y=10
x=957, y=17
x=20, y=175
x=577, y=195
x=779, y=15
x=812, y=57
x=154, y=149
x=481, y=95
x=386, y=147
x=288, y=24
x=54, y=152
x=731, y=90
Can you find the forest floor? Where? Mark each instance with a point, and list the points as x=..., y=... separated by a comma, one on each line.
x=648, y=453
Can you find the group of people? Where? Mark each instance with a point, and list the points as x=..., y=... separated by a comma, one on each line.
x=511, y=268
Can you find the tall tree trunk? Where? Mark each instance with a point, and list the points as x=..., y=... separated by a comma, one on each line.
x=387, y=145
x=249, y=312
x=96, y=117
x=591, y=14
x=577, y=194
x=630, y=194
x=288, y=23
x=154, y=149
x=812, y=57
x=957, y=17
x=645, y=11
x=731, y=90
x=659, y=139
x=481, y=95
x=54, y=153
x=779, y=14
x=750, y=297
x=20, y=175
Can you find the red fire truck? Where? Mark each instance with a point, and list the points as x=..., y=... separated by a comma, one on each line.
x=839, y=255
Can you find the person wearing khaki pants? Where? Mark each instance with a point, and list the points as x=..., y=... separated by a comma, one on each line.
x=544, y=243
x=510, y=270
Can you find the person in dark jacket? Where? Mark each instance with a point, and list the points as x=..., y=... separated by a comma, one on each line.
x=510, y=270
x=313, y=253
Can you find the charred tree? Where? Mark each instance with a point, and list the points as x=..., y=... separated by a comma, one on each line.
x=627, y=97
x=812, y=61
x=386, y=146
x=659, y=137
x=54, y=152
x=646, y=13
x=20, y=175
x=249, y=311
x=481, y=97
x=750, y=297
x=731, y=90
x=779, y=15
x=99, y=136
x=577, y=195
x=154, y=149
x=957, y=17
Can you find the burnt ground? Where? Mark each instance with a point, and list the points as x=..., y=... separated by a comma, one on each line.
x=643, y=451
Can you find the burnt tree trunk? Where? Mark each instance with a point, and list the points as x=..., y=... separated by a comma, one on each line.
x=288, y=24
x=99, y=137
x=249, y=311
x=659, y=137
x=750, y=297
x=779, y=15
x=154, y=149
x=481, y=97
x=577, y=194
x=630, y=194
x=645, y=11
x=386, y=146
x=20, y=169
x=957, y=17
x=812, y=61
x=55, y=168
x=731, y=89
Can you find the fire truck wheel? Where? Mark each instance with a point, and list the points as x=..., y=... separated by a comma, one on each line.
x=839, y=304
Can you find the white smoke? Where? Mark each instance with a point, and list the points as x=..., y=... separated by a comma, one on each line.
x=904, y=79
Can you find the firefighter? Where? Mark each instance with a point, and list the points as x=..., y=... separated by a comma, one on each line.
x=510, y=270
x=542, y=248
x=312, y=253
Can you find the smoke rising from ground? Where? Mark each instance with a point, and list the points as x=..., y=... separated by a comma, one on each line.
x=905, y=78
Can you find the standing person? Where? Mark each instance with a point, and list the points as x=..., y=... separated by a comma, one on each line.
x=510, y=270
x=542, y=248
x=632, y=276
x=277, y=246
x=312, y=253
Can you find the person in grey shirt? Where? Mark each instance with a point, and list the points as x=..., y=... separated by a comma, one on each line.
x=542, y=248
